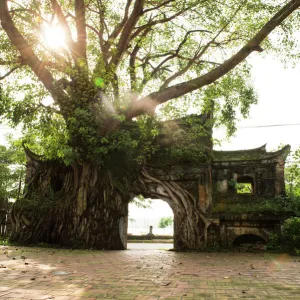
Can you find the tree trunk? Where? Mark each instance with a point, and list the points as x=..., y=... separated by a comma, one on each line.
x=83, y=205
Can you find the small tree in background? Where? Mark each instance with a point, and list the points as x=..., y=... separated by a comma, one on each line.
x=12, y=174
x=165, y=222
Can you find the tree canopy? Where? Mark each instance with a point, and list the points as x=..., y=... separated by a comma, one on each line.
x=105, y=63
x=165, y=222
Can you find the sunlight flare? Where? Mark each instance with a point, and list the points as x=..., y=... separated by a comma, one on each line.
x=54, y=36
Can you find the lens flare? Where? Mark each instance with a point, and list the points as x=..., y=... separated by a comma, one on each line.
x=99, y=82
x=54, y=36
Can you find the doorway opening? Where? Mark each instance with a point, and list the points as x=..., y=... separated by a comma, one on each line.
x=249, y=242
x=150, y=224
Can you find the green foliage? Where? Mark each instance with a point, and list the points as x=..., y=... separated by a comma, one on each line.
x=275, y=205
x=232, y=183
x=11, y=174
x=87, y=119
x=292, y=174
x=273, y=242
x=244, y=188
x=141, y=202
x=291, y=235
x=165, y=222
x=4, y=242
x=186, y=139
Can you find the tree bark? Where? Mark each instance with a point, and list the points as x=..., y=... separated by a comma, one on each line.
x=82, y=206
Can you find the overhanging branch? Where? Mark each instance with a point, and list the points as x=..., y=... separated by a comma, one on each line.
x=149, y=103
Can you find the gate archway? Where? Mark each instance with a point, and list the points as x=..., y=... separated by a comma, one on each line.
x=190, y=223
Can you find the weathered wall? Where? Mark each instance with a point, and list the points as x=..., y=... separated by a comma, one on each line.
x=213, y=181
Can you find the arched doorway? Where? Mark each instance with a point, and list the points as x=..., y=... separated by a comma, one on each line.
x=150, y=224
x=190, y=222
x=249, y=242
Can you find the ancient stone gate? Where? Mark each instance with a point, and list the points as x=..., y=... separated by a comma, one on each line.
x=223, y=183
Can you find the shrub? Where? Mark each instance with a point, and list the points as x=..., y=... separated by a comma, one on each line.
x=291, y=235
x=273, y=242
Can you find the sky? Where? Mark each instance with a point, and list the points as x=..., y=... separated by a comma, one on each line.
x=278, y=103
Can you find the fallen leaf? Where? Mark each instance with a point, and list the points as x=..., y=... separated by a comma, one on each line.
x=165, y=283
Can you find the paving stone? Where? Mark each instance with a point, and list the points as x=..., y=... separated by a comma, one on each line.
x=145, y=274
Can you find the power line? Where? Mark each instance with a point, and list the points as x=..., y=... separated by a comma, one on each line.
x=239, y=127
x=270, y=125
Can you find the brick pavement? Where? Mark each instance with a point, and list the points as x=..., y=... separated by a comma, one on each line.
x=145, y=274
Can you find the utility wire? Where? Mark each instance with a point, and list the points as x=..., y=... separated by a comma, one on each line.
x=271, y=125
x=238, y=127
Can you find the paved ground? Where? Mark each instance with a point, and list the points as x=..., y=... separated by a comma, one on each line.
x=150, y=246
x=42, y=273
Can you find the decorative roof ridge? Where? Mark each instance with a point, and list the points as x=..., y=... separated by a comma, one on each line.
x=258, y=149
x=255, y=154
x=284, y=150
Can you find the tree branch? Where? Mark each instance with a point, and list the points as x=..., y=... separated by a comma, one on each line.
x=200, y=53
x=126, y=32
x=49, y=108
x=158, y=6
x=9, y=72
x=149, y=103
x=176, y=54
x=62, y=20
x=153, y=23
x=28, y=55
x=120, y=26
x=30, y=11
x=53, y=65
x=101, y=31
x=81, y=29
x=132, y=72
